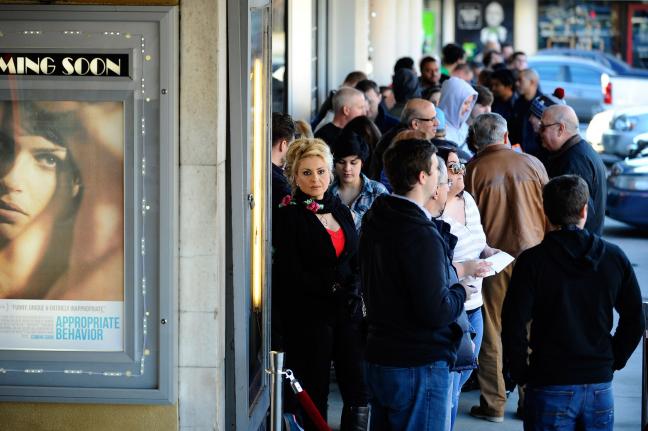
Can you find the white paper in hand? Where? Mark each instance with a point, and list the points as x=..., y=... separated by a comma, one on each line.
x=500, y=261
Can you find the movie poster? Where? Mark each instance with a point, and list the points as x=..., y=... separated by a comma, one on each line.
x=61, y=225
x=481, y=22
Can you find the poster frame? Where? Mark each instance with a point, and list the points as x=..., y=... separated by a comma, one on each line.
x=80, y=388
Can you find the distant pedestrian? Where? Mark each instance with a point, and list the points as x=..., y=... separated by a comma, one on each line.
x=457, y=101
x=567, y=289
x=406, y=87
x=503, y=88
x=376, y=110
x=528, y=87
x=571, y=154
x=418, y=114
x=348, y=103
x=430, y=72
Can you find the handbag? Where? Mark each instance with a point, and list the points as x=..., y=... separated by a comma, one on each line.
x=466, y=359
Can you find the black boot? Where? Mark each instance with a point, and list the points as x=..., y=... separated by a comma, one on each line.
x=355, y=418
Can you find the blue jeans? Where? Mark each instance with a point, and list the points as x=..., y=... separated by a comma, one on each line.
x=410, y=399
x=569, y=407
x=461, y=377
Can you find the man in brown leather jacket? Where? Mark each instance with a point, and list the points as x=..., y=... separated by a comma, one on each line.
x=507, y=187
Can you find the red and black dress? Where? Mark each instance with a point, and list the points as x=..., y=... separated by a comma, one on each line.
x=317, y=293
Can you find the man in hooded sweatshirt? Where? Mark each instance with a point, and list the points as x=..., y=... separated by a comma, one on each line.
x=568, y=286
x=457, y=101
x=411, y=302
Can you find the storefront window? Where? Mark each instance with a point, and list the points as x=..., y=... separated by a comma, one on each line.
x=258, y=150
x=580, y=24
x=637, y=50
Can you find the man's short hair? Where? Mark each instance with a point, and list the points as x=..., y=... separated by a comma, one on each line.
x=489, y=129
x=425, y=60
x=283, y=128
x=484, y=95
x=354, y=77
x=366, y=85
x=563, y=198
x=452, y=53
x=404, y=63
x=530, y=74
x=405, y=160
x=344, y=97
x=517, y=54
x=504, y=76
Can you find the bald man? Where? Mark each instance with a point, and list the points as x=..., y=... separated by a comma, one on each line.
x=348, y=103
x=571, y=154
x=417, y=114
x=527, y=85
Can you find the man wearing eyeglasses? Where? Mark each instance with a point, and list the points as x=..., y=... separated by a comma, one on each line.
x=418, y=114
x=571, y=154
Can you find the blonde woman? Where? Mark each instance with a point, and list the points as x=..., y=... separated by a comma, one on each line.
x=317, y=285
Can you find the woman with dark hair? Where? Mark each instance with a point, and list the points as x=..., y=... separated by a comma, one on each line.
x=354, y=189
x=318, y=290
x=60, y=237
x=462, y=214
x=363, y=127
x=40, y=190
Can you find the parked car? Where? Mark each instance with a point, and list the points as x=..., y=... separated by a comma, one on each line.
x=603, y=58
x=627, y=199
x=589, y=87
x=625, y=125
x=583, y=81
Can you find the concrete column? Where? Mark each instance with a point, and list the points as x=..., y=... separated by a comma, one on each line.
x=383, y=36
x=300, y=53
x=403, y=25
x=348, y=39
x=448, y=22
x=525, y=26
x=203, y=125
x=415, y=29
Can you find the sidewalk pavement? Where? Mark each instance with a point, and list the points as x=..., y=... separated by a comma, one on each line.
x=627, y=404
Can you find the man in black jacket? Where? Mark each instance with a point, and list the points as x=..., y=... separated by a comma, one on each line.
x=283, y=132
x=411, y=306
x=567, y=288
x=571, y=154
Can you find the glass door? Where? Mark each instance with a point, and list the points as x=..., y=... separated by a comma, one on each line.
x=248, y=172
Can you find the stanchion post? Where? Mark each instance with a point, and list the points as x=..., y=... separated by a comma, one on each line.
x=276, y=394
x=644, y=392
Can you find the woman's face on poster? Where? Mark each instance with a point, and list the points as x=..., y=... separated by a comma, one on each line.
x=32, y=172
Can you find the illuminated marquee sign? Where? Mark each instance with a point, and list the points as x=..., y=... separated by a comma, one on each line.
x=64, y=64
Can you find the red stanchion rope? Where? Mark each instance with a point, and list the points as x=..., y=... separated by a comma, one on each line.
x=307, y=403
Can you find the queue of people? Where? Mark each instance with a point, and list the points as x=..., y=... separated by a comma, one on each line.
x=386, y=225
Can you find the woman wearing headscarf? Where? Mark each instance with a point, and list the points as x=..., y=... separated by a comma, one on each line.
x=457, y=100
